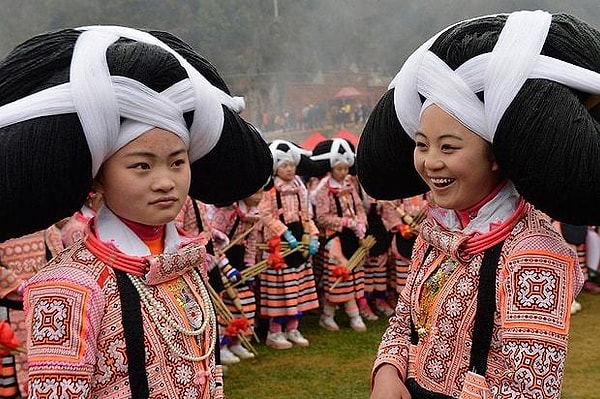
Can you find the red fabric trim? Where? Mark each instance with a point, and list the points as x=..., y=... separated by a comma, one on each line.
x=482, y=242
x=113, y=257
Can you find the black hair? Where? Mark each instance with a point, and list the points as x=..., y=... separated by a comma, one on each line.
x=46, y=162
x=546, y=143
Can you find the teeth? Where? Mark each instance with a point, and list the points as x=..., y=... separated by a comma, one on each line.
x=441, y=181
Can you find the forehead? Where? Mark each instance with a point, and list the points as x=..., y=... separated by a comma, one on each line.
x=155, y=141
x=341, y=165
x=435, y=123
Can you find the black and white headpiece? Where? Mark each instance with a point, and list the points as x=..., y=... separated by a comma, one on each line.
x=70, y=99
x=286, y=151
x=336, y=151
x=520, y=81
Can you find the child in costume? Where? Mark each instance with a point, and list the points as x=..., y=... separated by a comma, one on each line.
x=576, y=237
x=402, y=219
x=493, y=115
x=194, y=219
x=288, y=290
x=341, y=219
x=240, y=222
x=126, y=312
x=20, y=258
x=375, y=267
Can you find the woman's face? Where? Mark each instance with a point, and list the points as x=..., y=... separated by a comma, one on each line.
x=340, y=171
x=457, y=165
x=286, y=171
x=147, y=180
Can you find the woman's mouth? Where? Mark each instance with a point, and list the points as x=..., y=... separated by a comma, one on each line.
x=441, y=182
x=164, y=200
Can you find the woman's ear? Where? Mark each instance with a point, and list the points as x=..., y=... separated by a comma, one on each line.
x=495, y=166
x=97, y=185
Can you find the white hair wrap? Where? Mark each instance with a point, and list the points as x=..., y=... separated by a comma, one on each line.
x=334, y=155
x=141, y=107
x=293, y=154
x=500, y=75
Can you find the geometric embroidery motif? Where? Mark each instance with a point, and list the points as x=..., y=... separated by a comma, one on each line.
x=535, y=294
x=48, y=386
x=529, y=355
x=59, y=322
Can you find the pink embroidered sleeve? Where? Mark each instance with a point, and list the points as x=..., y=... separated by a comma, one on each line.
x=269, y=217
x=63, y=310
x=222, y=217
x=325, y=218
x=535, y=294
x=9, y=281
x=251, y=253
x=389, y=215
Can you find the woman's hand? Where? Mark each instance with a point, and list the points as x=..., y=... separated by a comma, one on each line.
x=388, y=385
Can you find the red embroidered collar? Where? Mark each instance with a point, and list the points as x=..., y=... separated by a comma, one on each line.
x=110, y=255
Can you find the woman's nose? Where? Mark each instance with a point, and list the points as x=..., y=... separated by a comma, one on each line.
x=163, y=182
x=432, y=161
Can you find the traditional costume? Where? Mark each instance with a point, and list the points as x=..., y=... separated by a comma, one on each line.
x=241, y=225
x=402, y=218
x=486, y=307
x=287, y=290
x=118, y=314
x=375, y=267
x=341, y=219
x=20, y=258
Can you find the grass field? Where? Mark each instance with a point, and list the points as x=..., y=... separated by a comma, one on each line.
x=337, y=365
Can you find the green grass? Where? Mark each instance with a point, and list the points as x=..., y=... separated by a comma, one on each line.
x=583, y=360
x=337, y=365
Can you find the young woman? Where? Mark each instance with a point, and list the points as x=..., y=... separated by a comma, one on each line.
x=402, y=218
x=342, y=222
x=240, y=222
x=286, y=293
x=488, y=296
x=126, y=311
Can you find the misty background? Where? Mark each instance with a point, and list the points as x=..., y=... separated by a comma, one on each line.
x=260, y=46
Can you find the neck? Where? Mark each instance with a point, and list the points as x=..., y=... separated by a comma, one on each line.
x=466, y=215
x=144, y=231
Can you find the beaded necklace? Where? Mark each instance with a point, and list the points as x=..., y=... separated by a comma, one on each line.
x=159, y=314
x=431, y=289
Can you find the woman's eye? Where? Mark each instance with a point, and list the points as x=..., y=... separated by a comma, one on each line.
x=420, y=145
x=179, y=162
x=448, y=148
x=140, y=165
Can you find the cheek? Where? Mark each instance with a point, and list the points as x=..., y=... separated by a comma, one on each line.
x=418, y=162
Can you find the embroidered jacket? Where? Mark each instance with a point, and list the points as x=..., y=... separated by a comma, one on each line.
x=324, y=197
x=537, y=277
x=234, y=221
x=295, y=207
x=77, y=346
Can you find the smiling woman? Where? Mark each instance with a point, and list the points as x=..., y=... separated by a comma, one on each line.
x=457, y=165
x=475, y=116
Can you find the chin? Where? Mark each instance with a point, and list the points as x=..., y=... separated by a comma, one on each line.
x=444, y=203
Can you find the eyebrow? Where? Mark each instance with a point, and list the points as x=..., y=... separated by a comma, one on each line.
x=443, y=136
x=153, y=155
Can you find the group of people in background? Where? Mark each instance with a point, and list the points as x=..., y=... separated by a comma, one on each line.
x=585, y=241
x=316, y=116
